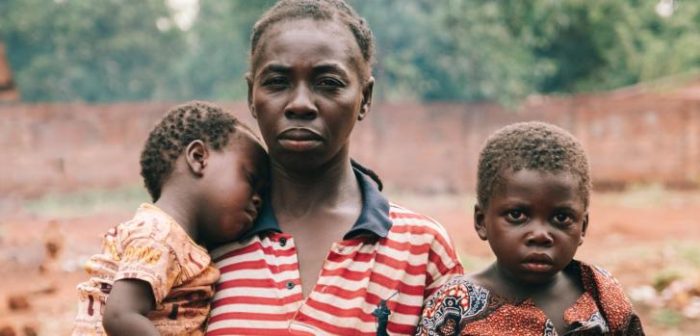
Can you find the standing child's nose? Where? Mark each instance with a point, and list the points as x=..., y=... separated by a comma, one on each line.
x=539, y=235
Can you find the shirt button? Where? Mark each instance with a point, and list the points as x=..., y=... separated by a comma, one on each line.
x=290, y=284
x=283, y=241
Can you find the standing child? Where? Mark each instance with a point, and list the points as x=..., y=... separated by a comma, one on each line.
x=204, y=170
x=533, y=190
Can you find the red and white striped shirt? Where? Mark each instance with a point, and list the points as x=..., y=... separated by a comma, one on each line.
x=389, y=250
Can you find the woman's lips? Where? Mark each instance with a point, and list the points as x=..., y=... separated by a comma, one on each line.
x=299, y=139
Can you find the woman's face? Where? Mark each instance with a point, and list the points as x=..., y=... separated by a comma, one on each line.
x=306, y=91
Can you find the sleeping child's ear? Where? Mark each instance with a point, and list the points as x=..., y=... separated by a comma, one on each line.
x=196, y=155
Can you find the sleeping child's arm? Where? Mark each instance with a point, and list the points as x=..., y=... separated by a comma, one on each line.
x=128, y=303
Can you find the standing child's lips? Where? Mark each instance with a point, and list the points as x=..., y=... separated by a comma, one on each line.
x=537, y=267
x=538, y=258
x=538, y=262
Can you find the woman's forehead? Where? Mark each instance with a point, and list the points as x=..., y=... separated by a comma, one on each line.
x=310, y=39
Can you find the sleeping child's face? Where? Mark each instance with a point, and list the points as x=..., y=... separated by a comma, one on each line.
x=534, y=222
x=235, y=177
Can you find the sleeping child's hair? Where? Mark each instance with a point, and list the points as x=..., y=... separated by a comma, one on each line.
x=183, y=124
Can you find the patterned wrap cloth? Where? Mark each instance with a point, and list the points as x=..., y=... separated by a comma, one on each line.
x=153, y=248
x=461, y=307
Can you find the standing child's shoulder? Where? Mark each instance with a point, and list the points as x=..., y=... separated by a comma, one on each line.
x=609, y=294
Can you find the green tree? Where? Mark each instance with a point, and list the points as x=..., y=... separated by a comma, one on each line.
x=216, y=60
x=464, y=50
x=93, y=51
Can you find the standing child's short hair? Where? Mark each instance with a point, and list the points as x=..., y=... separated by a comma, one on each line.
x=195, y=120
x=530, y=145
x=318, y=10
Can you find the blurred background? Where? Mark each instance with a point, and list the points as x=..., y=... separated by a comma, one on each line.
x=82, y=83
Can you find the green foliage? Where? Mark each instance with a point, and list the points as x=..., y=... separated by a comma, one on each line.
x=88, y=50
x=668, y=318
x=215, y=63
x=465, y=50
x=505, y=50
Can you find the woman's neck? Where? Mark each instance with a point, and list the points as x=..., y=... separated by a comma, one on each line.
x=300, y=192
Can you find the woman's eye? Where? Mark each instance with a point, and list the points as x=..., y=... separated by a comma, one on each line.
x=515, y=216
x=277, y=81
x=329, y=83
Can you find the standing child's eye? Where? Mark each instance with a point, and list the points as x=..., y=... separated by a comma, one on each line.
x=515, y=216
x=562, y=219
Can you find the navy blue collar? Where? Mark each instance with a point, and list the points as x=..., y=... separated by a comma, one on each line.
x=374, y=218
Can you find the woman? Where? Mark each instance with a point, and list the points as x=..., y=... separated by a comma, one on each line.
x=328, y=248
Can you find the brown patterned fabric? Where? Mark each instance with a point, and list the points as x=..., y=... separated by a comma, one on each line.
x=153, y=248
x=461, y=307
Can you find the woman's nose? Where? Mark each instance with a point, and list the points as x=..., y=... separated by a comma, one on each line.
x=301, y=106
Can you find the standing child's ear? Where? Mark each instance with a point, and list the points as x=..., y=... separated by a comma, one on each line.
x=366, y=98
x=479, y=224
x=584, y=228
x=196, y=155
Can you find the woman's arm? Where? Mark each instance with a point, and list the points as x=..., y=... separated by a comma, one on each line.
x=127, y=305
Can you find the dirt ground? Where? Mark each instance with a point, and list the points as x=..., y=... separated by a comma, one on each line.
x=645, y=237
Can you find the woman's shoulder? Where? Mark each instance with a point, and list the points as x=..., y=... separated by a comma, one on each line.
x=408, y=221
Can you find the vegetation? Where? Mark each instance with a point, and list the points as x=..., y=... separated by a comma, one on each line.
x=465, y=50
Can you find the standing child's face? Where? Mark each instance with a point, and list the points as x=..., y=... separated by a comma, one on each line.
x=306, y=90
x=234, y=177
x=534, y=223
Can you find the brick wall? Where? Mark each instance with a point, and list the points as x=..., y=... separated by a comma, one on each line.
x=630, y=138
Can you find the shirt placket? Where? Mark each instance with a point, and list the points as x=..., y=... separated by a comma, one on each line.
x=303, y=326
x=289, y=286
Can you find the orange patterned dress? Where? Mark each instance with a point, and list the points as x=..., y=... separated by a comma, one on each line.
x=153, y=248
x=461, y=307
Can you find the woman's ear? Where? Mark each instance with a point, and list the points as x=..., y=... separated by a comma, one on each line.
x=366, y=98
x=584, y=228
x=479, y=222
x=249, y=82
x=196, y=155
